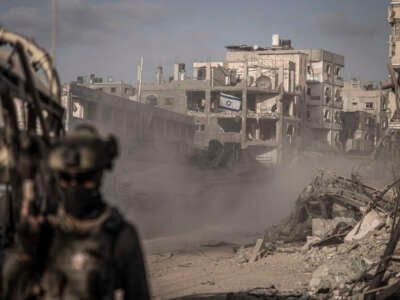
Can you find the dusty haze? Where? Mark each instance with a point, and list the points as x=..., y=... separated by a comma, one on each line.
x=166, y=195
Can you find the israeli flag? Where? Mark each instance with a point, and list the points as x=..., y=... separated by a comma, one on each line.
x=229, y=102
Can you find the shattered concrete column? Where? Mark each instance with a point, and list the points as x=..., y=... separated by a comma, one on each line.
x=208, y=72
x=280, y=123
x=244, y=107
x=258, y=130
x=207, y=110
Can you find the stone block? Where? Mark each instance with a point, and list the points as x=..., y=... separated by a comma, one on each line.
x=256, y=252
x=338, y=272
x=324, y=227
x=372, y=221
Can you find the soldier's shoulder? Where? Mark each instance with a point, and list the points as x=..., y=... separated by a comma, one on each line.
x=118, y=224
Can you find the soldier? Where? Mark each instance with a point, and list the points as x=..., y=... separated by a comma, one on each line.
x=87, y=250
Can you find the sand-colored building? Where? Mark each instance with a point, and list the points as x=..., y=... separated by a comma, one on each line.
x=285, y=94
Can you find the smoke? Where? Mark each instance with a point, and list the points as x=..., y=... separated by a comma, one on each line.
x=338, y=24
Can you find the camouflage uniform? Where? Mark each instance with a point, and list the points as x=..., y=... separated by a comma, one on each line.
x=87, y=250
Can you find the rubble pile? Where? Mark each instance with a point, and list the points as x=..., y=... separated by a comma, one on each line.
x=346, y=233
x=327, y=197
x=344, y=269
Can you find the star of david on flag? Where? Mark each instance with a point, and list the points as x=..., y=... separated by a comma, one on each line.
x=229, y=102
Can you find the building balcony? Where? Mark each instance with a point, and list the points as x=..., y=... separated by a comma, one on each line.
x=262, y=115
x=316, y=124
x=196, y=113
x=394, y=125
x=313, y=100
x=395, y=61
x=228, y=137
x=314, y=78
x=241, y=87
x=227, y=114
x=331, y=125
x=266, y=143
x=292, y=118
x=336, y=104
x=338, y=81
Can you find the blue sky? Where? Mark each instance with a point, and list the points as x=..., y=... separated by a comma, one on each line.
x=108, y=37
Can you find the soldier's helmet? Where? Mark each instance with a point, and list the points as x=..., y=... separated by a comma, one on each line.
x=83, y=150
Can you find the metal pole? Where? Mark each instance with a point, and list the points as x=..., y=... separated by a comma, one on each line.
x=54, y=10
x=140, y=79
x=137, y=82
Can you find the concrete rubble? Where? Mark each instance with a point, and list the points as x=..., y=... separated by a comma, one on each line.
x=342, y=229
x=338, y=272
x=329, y=197
x=325, y=227
x=371, y=222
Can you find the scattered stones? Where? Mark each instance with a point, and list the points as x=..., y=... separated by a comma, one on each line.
x=257, y=250
x=328, y=197
x=242, y=256
x=208, y=282
x=337, y=273
x=347, y=248
x=345, y=238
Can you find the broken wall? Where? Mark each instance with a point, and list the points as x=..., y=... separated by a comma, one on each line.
x=274, y=66
x=267, y=104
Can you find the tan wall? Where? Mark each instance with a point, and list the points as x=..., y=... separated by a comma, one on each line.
x=174, y=100
x=274, y=66
x=323, y=117
x=355, y=99
x=121, y=89
x=393, y=12
x=394, y=37
x=132, y=122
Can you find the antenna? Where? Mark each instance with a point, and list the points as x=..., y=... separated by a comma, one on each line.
x=54, y=10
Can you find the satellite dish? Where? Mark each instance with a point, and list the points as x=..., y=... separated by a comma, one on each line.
x=264, y=82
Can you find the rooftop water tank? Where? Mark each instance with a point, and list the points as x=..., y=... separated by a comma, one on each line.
x=275, y=40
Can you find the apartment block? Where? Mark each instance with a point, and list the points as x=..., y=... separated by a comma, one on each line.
x=107, y=85
x=262, y=99
x=324, y=96
x=365, y=115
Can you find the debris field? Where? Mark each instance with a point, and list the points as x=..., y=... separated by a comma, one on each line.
x=340, y=242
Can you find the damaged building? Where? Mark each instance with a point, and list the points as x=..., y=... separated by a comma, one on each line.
x=364, y=117
x=388, y=145
x=107, y=85
x=324, y=96
x=261, y=99
x=132, y=122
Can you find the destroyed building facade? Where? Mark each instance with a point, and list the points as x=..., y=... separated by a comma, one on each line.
x=394, y=57
x=394, y=37
x=364, y=117
x=263, y=99
x=324, y=96
x=388, y=145
x=132, y=122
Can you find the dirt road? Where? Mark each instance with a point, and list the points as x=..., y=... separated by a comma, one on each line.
x=217, y=268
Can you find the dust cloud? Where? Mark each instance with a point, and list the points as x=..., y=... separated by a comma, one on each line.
x=167, y=195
